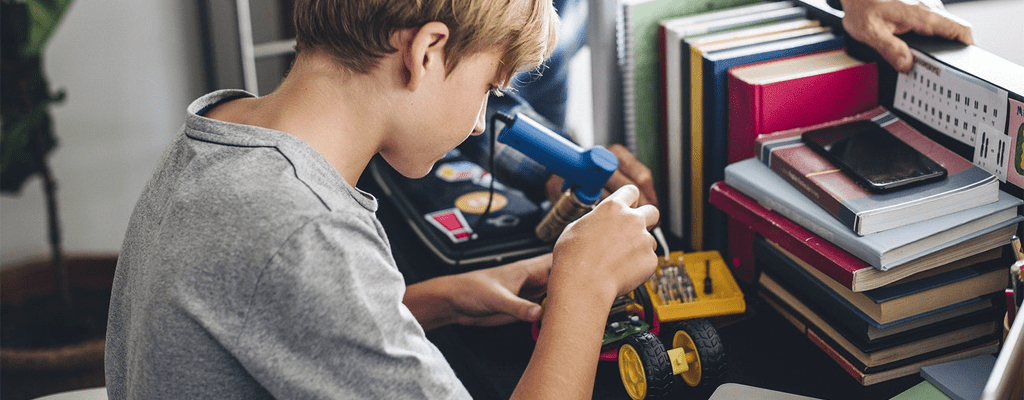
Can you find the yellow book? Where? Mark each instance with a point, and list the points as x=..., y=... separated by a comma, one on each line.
x=698, y=46
x=696, y=149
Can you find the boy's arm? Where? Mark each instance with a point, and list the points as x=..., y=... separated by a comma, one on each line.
x=488, y=297
x=605, y=253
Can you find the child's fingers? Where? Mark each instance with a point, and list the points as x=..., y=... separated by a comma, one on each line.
x=627, y=194
x=651, y=215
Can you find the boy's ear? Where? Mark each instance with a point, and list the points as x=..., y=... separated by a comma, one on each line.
x=426, y=51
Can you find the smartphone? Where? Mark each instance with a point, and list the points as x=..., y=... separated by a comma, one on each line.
x=873, y=156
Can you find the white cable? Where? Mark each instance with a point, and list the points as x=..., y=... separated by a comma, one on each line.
x=660, y=237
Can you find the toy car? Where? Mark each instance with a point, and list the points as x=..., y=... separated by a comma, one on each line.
x=658, y=333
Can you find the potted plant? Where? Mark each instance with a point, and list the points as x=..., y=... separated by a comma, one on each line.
x=54, y=311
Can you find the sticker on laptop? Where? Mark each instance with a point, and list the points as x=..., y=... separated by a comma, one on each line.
x=476, y=202
x=458, y=171
x=451, y=223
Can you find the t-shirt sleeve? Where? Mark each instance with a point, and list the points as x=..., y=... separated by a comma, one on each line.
x=327, y=321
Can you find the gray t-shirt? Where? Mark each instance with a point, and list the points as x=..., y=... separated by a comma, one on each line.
x=252, y=270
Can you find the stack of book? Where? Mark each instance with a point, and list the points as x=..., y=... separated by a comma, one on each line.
x=679, y=110
x=714, y=97
x=884, y=283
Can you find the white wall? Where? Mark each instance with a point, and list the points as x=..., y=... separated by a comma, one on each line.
x=129, y=69
x=995, y=24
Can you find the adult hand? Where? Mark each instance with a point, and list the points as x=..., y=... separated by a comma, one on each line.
x=630, y=172
x=877, y=22
x=487, y=297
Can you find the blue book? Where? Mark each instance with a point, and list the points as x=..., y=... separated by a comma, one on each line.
x=732, y=23
x=963, y=280
x=899, y=360
x=862, y=331
x=715, y=67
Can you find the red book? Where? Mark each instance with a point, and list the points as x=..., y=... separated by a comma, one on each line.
x=965, y=185
x=829, y=259
x=795, y=92
x=791, y=93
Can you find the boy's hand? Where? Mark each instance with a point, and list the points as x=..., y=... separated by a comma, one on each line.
x=608, y=249
x=630, y=172
x=487, y=297
x=877, y=22
x=501, y=295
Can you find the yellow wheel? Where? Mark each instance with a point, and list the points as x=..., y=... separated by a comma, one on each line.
x=632, y=372
x=644, y=367
x=682, y=340
x=705, y=357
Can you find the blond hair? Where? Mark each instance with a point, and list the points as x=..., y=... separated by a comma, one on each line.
x=358, y=32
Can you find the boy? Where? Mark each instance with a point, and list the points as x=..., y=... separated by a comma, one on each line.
x=252, y=268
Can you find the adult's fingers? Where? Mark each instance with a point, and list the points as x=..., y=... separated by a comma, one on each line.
x=949, y=26
x=636, y=172
x=620, y=179
x=894, y=50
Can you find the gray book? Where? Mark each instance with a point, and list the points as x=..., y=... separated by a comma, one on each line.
x=962, y=379
x=886, y=249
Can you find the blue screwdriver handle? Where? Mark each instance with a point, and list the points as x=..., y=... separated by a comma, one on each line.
x=585, y=171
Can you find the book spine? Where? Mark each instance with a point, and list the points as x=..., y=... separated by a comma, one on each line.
x=837, y=357
x=744, y=117
x=627, y=59
x=697, y=192
x=672, y=117
x=829, y=259
x=813, y=291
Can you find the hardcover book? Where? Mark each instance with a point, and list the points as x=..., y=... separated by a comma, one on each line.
x=962, y=379
x=966, y=185
x=795, y=92
x=637, y=49
x=692, y=96
x=715, y=110
x=900, y=300
x=837, y=263
x=675, y=66
x=862, y=330
x=890, y=249
x=867, y=368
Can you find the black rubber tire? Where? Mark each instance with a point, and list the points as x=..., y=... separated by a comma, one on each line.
x=656, y=364
x=709, y=347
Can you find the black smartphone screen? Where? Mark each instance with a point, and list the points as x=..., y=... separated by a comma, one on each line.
x=872, y=156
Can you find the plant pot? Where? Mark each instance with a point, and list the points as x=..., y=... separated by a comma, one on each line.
x=26, y=373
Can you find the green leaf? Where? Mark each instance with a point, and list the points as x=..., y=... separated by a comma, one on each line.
x=45, y=15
